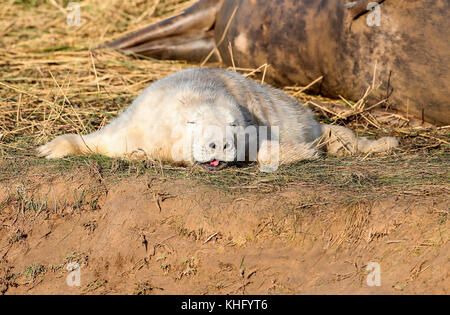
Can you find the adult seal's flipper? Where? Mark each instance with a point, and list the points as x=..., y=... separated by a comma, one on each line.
x=187, y=36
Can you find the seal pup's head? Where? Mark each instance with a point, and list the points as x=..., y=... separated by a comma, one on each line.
x=213, y=125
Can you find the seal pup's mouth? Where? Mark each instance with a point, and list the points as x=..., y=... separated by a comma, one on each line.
x=213, y=165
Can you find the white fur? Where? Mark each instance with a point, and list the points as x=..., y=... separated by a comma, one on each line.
x=160, y=121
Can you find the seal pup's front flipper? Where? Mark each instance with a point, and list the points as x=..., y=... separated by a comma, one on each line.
x=187, y=36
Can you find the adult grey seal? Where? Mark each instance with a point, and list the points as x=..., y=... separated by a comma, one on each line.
x=404, y=44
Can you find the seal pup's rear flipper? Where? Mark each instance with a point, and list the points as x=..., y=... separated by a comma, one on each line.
x=187, y=36
x=341, y=141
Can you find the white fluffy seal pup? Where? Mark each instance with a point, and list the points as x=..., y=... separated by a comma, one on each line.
x=212, y=117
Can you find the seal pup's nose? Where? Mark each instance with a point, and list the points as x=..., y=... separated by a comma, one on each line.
x=226, y=146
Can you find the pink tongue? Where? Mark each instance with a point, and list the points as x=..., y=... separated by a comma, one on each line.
x=214, y=163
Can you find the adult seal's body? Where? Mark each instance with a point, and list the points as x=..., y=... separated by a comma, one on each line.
x=404, y=44
x=211, y=117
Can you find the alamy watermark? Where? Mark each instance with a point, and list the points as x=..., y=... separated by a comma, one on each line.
x=208, y=144
x=73, y=279
x=374, y=16
x=374, y=277
x=74, y=16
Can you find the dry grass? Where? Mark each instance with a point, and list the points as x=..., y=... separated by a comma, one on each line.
x=53, y=82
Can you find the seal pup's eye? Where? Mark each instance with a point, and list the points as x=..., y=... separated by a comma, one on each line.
x=191, y=122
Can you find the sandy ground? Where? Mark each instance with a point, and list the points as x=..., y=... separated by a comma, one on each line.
x=317, y=227
x=152, y=234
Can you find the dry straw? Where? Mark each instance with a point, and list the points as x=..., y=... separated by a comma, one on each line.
x=52, y=81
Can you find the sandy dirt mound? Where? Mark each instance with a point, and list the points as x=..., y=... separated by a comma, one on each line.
x=146, y=228
x=153, y=234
